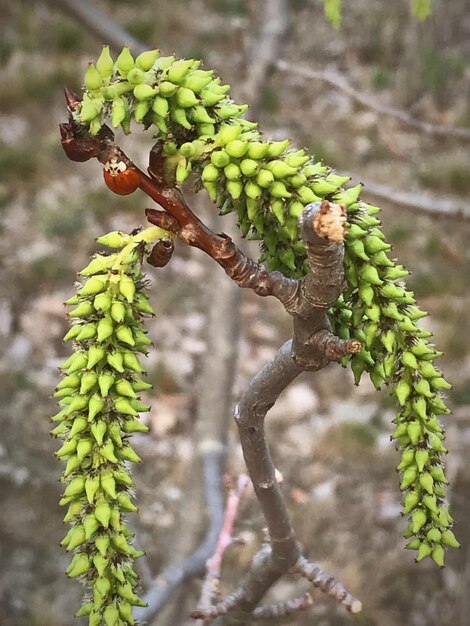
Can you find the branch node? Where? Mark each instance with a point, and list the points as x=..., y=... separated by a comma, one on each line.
x=332, y=346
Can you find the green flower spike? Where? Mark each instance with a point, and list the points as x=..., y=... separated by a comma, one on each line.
x=101, y=411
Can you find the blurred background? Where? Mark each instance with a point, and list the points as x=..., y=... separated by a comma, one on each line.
x=330, y=439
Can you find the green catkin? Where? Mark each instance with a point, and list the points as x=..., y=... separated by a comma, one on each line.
x=267, y=184
x=95, y=426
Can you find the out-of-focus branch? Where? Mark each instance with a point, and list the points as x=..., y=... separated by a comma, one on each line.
x=422, y=202
x=339, y=82
x=264, y=49
x=99, y=23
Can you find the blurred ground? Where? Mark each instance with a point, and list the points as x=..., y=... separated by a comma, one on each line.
x=330, y=439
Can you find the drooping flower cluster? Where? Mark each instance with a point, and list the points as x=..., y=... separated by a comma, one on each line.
x=268, y=184
x=378, y=310
x=100, y=406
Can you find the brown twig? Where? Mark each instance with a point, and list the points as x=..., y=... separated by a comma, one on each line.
x=210, y=588
x=339, y=82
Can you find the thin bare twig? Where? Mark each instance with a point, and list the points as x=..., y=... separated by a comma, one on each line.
x=338, y=81
x=210, y=588
x=99, y=23
x=282, y=609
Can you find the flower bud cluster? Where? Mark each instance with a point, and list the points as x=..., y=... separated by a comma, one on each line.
x=268, y=184
x=378, y=310
x=99, y=396
x=265, y=182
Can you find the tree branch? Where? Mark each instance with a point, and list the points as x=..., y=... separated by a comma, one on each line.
x=422, y=202
x=99, y=23
x=339, y=82
x=264, y=50
x=307, y=300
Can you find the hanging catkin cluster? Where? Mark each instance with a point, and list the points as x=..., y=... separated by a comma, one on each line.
x=99, y=396
x=268, y=184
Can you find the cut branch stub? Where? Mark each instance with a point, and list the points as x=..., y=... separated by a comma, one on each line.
x=322, y=230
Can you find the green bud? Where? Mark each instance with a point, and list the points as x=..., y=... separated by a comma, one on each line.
x=141, y=109
x=143, y=91
x=98, y=430
x=84, y=309
x=102, y=544
x=107, y=451
x=411, y=499
x=105, y=63
x=90, y=525
x=105, y=381
x=276, y=148
x=75, y=487
x=125, y=502
x=437, y=473
x=88, y=382
x=95, y=355
x=126, y=453
x=370, y=275
x=127, y=287
x=418, y=520
x=84, y=610
x=134, y=426
x=108, y=484
x=279, y=190
x=179, y=70
x=178, y=115
x=146, y=59
x=422, y=387
x=426, y=481
x=280, y=169
x=124, y=334
x=88, y=331
x=111, y=615
x=93, y=79
x=449, y=539
x=76, y=538
x=423, y=552
x=124, y=388
x=236, y=148
x=232, y=171
x=79, y=565
x=430, y=501
x=409, y=360
x=123, y=406
x=422, y=458
x=440, y=383
x=125, y=62
x=95, y=406
x=84, y=447
x=114, y=239
x=92, y=484
x=103, y=512
x=186, y=98
x=437, y=555
x=408, y=478
x=414, y=431
x=420, y=407
x=79, y=424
